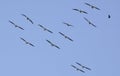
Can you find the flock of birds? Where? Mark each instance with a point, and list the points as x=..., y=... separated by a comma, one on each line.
x=62, y=34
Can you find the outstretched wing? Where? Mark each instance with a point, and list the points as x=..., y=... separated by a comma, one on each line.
x=69, y=39
x=57, y=46
x=61, y=33
x=67, y=24
x=20, y=28
x=23, y=40
x=81, y=70
x=13, y=23
x=87, y=68
x=50, y=42
x=76, y=9
x=49, y=31
x=88, y=4
x=78, y=64
x=81, y=11
x=31, y=44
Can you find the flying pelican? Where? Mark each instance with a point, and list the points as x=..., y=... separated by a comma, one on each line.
x=65, y=36
x=27, y=42
x=81, y=11
x=83, y=66
x=53, y=44
x=27, y=18
x=16, y=25
x=89, y=22
x=45, y=29
x=92, y=6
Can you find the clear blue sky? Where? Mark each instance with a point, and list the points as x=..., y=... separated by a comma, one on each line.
x=97, y=48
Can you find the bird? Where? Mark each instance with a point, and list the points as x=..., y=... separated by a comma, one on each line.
x=89, y=22
x=27, y=18
x=16, y=25
x=81, y=11
x=65, y=36
x=82, y=66
x=67, y=24
x=53, y=44
x=77, y=69
x=109, y=16
x=92, y=6
x=45, y=29
x=27, y=42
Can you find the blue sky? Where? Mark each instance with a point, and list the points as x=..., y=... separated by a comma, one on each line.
x=97, y=48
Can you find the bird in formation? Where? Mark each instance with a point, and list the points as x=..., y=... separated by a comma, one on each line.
x=92, y=6
x=89, y=22
x=27, y=18
x=67, y=24
x=65, y=36
x=45, y=29
x=16, y=25
x=81, y=11
x=27, y=42
x=53, y=44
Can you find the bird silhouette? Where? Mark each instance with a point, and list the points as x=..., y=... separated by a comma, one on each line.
x=92, y=6
x=89, y=22
x=16, y=25
x=27, y=18
x=27, y=42
x=45, y=29
x=81, y=11
x=67, y=24
x=65, y=36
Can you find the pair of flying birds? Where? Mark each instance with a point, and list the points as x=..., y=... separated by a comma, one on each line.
x=84, y=67
x=20, y=26
x=82, y=11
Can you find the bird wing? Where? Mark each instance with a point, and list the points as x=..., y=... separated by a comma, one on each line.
x=81, y=70
x=93, y=25
x=88, y=4
x=78, y=63
x=30, y=20
x=69, y=38
x=21, y=28
x=57, y=46
x=96, y=8
x=49, y=31
x=31, y=44
x=76, y=9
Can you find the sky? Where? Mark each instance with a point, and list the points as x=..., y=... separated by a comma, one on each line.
x=97, y=48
